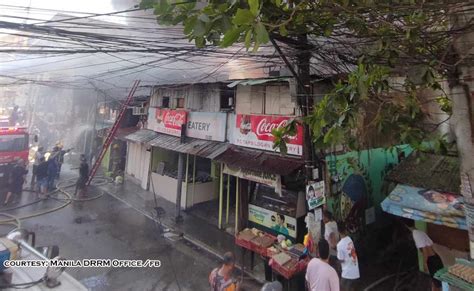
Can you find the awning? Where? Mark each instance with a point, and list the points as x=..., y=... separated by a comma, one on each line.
x=259, y=161
x=426, y=205
x=122, y=133
x=141, y=136
x=250, y=82
x=193, y=146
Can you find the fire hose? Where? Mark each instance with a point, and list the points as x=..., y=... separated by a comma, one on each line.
x=60, y=188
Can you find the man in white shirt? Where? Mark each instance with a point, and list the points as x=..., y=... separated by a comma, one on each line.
x=331, y=235
x=38, y=155
x=432, y=261
x=320, y=276
x=346, y=254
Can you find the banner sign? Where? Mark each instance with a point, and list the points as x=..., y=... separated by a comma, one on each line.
x=272, y=180
x=207, y=125
x=280, y=223
x=315, y=194
x=167, y=121
x=255, y=131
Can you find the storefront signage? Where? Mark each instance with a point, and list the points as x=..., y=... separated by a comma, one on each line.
x=167, y=121
x=315, y=194
x=255, y=131
x=207, y=125
x=269, y=179
x=282, y=224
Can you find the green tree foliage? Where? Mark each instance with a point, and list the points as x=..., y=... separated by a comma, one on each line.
x=374, y=41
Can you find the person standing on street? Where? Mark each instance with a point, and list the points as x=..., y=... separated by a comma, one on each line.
x=331, y=235
x=432, y=261
x=38, y=155
x=42, y=178
x=61, y=154
x=83, y=176
x=346, y=254
x=16, y=180
x=319, y=274
x=52, y=169
x=221, y=278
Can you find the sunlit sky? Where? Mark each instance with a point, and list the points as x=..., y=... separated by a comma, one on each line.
x=90, y=6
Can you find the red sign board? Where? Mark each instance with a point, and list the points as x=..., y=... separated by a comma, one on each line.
x=255, y=131
x=167, y=121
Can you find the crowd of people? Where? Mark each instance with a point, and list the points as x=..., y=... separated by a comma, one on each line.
x=334, y=265
x=45, y=171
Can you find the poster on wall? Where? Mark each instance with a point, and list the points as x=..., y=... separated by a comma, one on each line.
x=255, y=131
x=207, y=125
x=315, y=194
x=167, y=121
x=269, y=179
x=280, y=223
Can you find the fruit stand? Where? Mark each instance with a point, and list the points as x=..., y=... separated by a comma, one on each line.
x=284, y=259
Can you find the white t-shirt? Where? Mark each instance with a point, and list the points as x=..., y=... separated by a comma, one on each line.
x=330, y=227
x=321, y=276
x=346, y=253
x=421, y=239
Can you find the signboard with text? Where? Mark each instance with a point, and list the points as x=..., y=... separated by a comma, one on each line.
x=167, y=121
x=269, y=179
x=207, y=125
x=255, y=131
x=315, y=194
x=280, y=223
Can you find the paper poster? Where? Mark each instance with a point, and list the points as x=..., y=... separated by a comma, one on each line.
x=280, y=223
x=315, y=194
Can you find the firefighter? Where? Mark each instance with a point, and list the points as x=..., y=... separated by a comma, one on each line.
x=16, y=180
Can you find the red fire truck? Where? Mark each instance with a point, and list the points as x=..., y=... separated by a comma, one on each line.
x=13, y=145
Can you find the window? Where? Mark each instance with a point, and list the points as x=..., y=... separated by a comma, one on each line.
x=179, y=102
x=227, y=98
x=165, y=102
x=13, y=143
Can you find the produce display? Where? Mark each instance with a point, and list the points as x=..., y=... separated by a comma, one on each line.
x=285, y=258
x=462, y=271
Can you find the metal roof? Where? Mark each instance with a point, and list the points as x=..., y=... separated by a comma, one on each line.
x=260, y=161
x=250, y=82
x=199, y=147
x=123, y=132
x=141, y=136
x=428, y=171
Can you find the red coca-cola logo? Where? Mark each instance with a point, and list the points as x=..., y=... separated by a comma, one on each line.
x=175, y=120
x=265, y=128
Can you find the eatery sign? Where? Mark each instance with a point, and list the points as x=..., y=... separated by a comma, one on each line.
x=207, y=125
x=255, y=131
x=166, y=121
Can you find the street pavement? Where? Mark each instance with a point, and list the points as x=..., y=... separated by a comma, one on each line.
x=107, y=228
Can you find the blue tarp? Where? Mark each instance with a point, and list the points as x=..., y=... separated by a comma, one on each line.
x=426, y=205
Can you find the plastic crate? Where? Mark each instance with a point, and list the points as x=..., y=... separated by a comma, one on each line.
x=244, y=243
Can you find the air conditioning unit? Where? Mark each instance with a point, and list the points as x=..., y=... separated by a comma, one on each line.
x=139, y=111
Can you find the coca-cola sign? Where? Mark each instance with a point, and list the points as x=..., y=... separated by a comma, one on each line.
x=255, y=131
x=166, y=120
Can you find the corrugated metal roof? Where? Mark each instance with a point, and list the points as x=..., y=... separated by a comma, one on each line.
x=250, y=82
x=141, y=136
x=428, y=171
x=123, y=132
x=260, y=161
x=203, y=148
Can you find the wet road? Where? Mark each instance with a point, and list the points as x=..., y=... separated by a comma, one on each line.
x=108, y=229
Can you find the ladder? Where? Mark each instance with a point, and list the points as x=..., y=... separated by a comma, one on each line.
x=111, y=133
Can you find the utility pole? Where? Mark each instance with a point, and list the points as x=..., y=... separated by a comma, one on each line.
x=304, y=98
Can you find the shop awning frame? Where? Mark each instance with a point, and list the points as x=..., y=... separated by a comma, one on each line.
x=141, y=136
x=193, y=146
x=426, y=205
x=261, y=161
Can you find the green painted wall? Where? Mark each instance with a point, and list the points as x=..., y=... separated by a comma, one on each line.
x=161, y=155
x=351, y=172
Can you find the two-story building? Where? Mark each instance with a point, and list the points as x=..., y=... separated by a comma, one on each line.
x=222, y=132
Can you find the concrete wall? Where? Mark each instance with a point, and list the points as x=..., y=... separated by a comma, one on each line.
x=138, y=161
x=166, y=187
